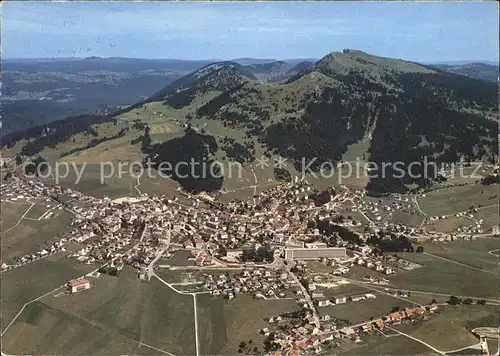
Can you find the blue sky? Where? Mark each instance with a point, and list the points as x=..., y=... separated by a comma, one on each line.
x=420, y=31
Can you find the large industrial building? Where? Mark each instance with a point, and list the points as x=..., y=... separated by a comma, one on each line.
x=308, y=254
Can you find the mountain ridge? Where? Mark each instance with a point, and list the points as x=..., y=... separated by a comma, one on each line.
x=343, y=99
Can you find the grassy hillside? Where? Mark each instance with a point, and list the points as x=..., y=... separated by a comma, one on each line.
x=384, y=109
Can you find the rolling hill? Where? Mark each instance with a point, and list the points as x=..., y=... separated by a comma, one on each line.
x=482, y=71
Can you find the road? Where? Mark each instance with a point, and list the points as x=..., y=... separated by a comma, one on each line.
x=494, y=301
x=150, y=271
x=307, y=296
x=366, y=285
x=256, y=183
x=136, y=187
x=20, y=219
x=195, y=306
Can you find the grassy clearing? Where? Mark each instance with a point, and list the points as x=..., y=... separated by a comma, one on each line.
x=456, y=321
x=439, y=276
x=473, y=253
x=54, y=332
x=490, y=217
x=31, y=235
x=25, y=283
x=401, y=217
x=90, y=183
x=457, y=199
x=119, y=149
x=224, y=324
x=157, y=186
x=358, y=312
x=11, y=213
x=41, y=207
x=493, y=346
x=180, y=258
x=122, y=306
x=449, y=224
x=377, y=344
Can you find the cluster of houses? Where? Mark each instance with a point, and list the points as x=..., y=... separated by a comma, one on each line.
x=262, y=283
x=32, y=257
x=306, y=338
x=374, y=264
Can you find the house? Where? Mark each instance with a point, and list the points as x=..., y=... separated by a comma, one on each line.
x=77, y=285
x=388, y=270
x=317, y=294
x=234, y=253
x=357, y=298
x=347, y=331
x=323, y=303
x=366, y=250
x=340, y=300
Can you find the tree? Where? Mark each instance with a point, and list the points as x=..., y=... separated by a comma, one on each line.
x=453, y=300
x=420, y=249
x=19, y=159
x=8, y=175
x=243, y=344
x=433, y=301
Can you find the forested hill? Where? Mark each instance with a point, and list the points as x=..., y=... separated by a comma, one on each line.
x=405, y=112
x=474, y=70
x=408, y=111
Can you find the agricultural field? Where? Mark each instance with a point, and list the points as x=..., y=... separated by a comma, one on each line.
x=117, y=150
x=224, y=324
x=445, y=277
x=473, y=253
x=68, y=334
x=456, y=321
x=30, y=235
x=378, y=344
x=31, y=281
x=453, y=200
x=489, y=215
x=11, y=212
x=179, y=258
x=401, y=217
x=344, y=290
x=41, y=207
x=493, y=345
x=122, y=307
x=117, y=185
x=450, y=224
x=363, y=310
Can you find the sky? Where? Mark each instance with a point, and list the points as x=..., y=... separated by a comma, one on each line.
x=418, y=31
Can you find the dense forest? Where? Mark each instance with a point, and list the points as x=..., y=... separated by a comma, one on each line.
x=200, y=174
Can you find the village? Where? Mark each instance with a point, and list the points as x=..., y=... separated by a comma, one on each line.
x=268, y=246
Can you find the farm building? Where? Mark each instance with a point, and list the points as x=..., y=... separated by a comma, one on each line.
x=78, y=285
